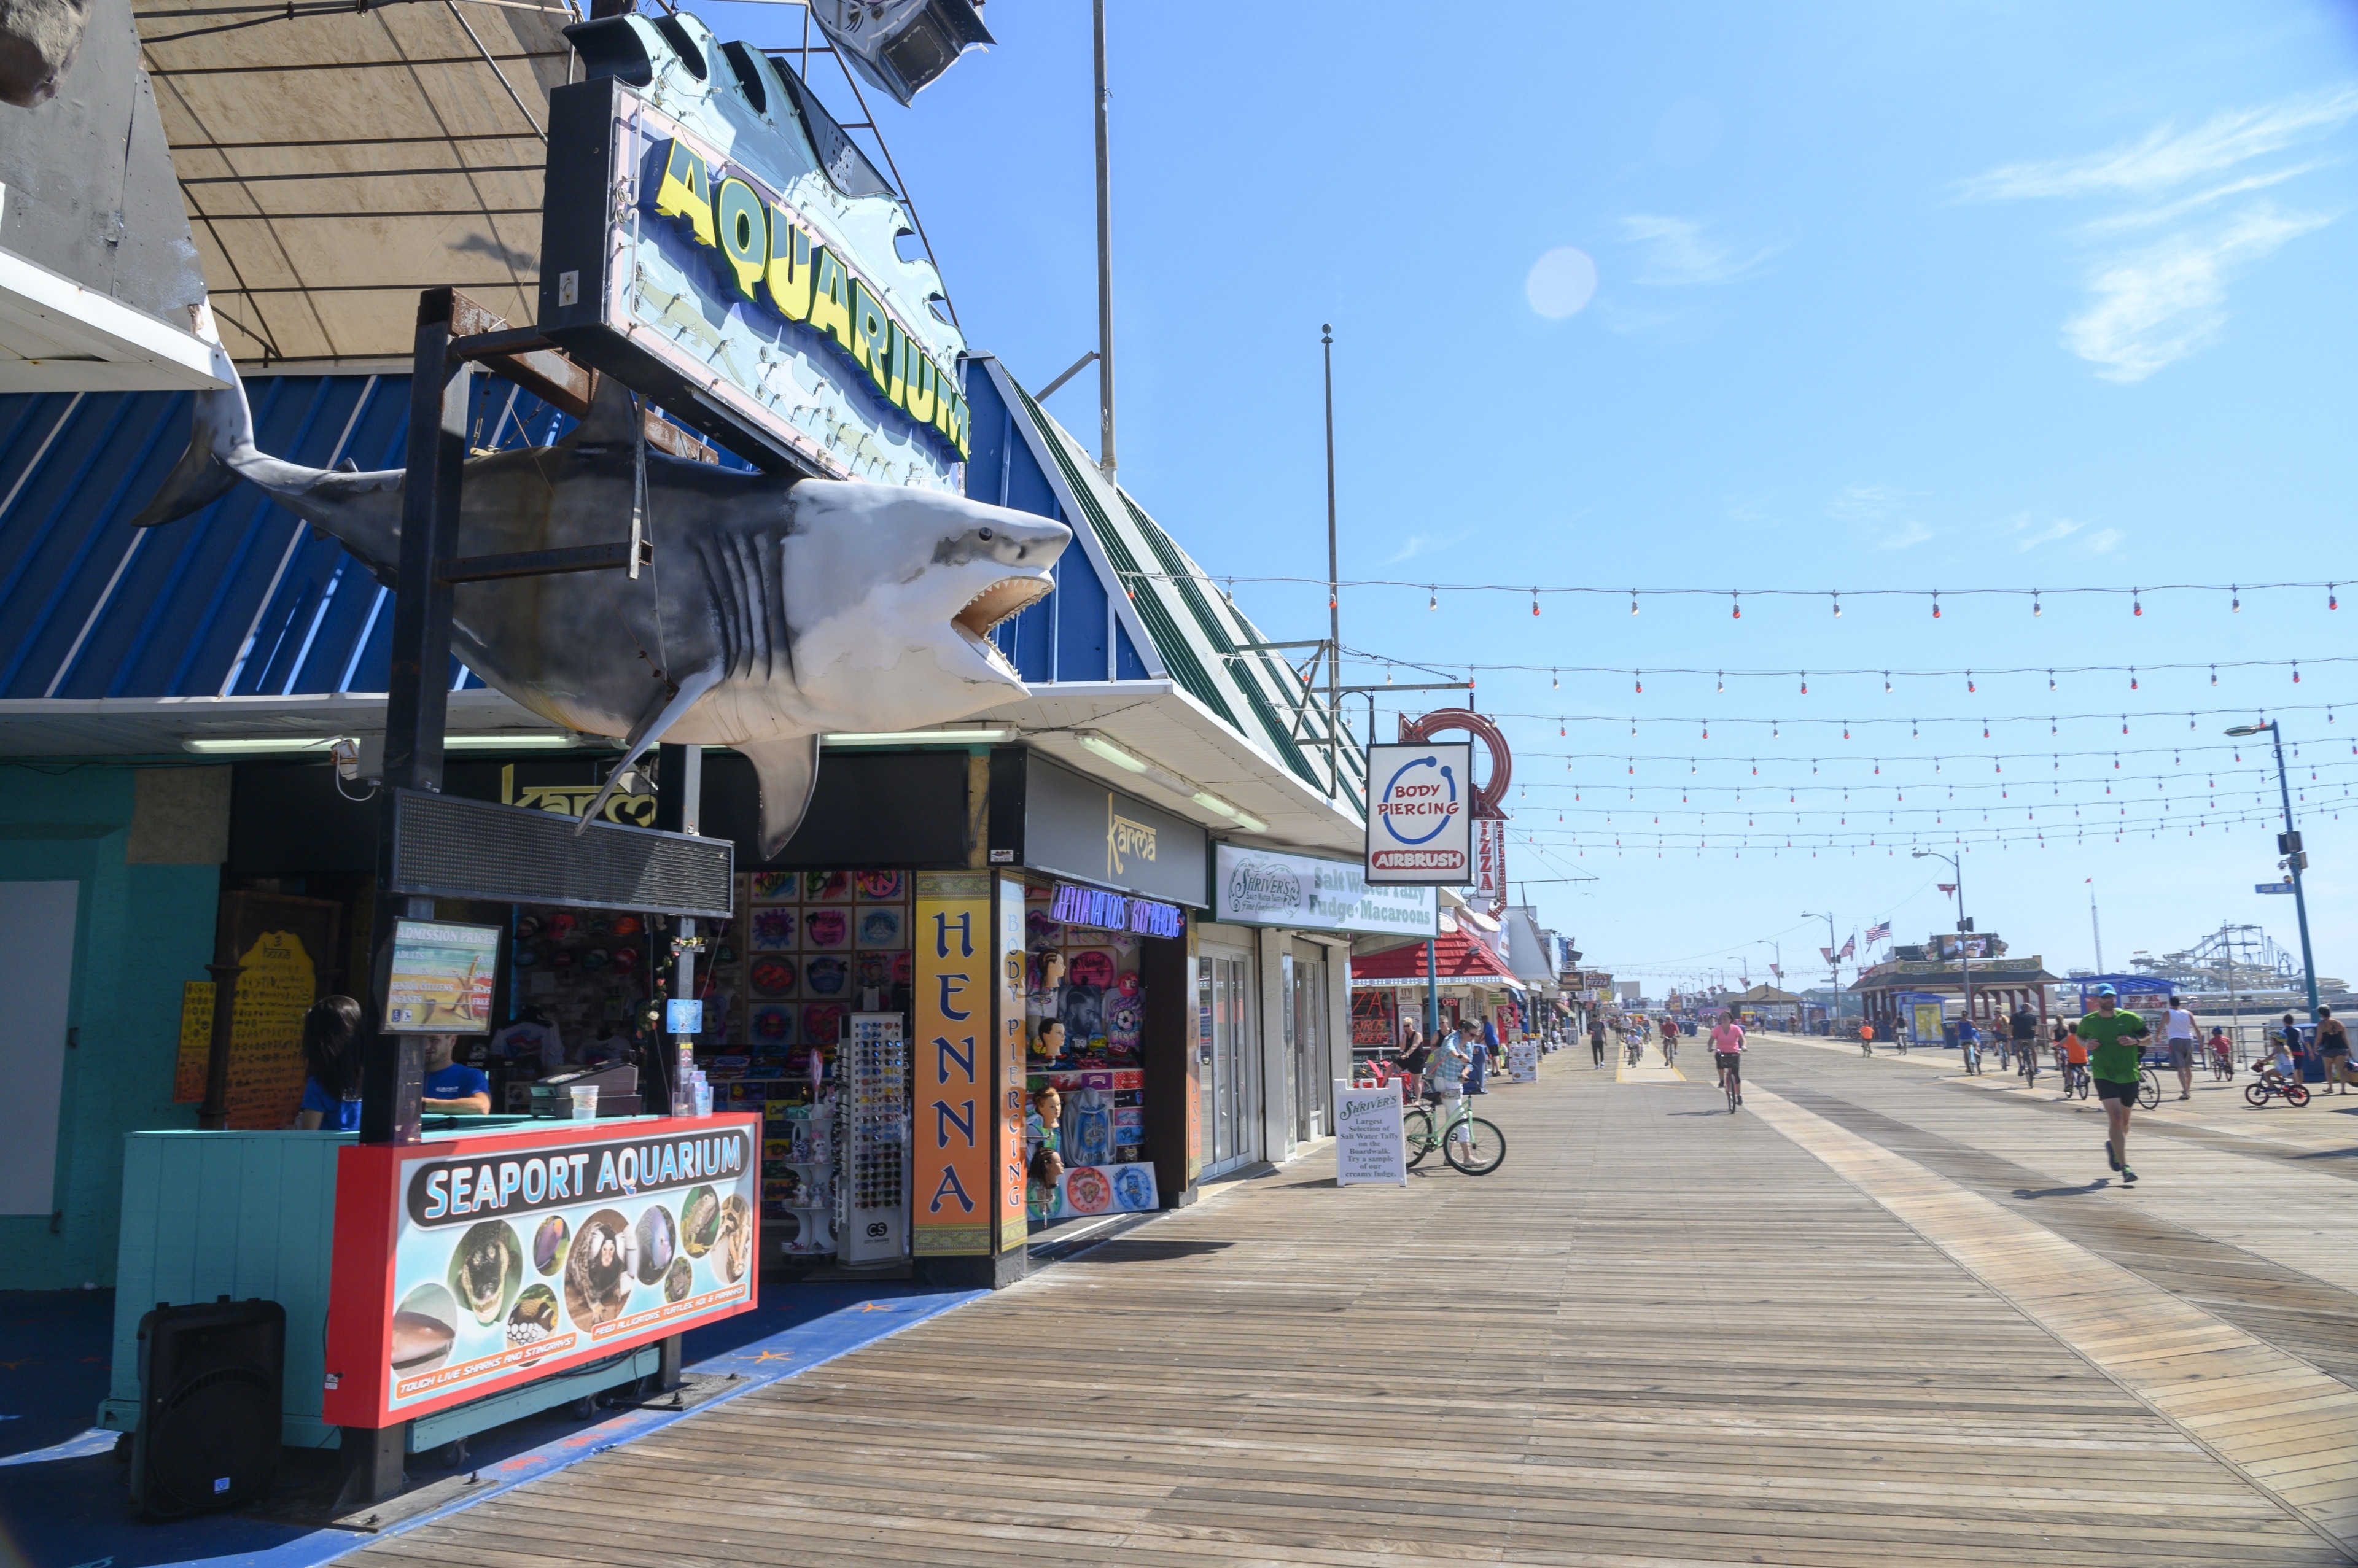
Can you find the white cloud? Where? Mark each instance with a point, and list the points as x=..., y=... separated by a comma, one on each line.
x=2159, y=302
x=1417, y=545
x=1679, y=251
x=2032, y=534
x=1873, y=511
x=2102, y=541
x=2162, y=303
x=2168, y=156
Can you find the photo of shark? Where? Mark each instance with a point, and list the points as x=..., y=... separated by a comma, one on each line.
x=776, y=609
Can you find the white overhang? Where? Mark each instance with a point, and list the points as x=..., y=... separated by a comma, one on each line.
x=57, y=335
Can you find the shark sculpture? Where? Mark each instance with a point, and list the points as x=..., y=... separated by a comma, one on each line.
x=778, y=608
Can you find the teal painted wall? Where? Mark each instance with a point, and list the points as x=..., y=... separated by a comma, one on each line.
x=143, y=930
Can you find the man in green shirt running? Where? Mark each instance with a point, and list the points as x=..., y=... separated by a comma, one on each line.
x=2115, y=1063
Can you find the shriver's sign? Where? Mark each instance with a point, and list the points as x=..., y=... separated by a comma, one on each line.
x=1369, y=1142
x=1420, y=813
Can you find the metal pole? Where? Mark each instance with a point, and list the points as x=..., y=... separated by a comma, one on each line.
x=1431, y=993
x=1105, y=259
x=2096, y=928
x=2293, y=860
x=1334, y=588
x=1964, y=952
x=417, y=693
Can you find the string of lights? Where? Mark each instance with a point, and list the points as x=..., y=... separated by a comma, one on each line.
x=2052, y=720
x=1972, y=676
x=2136, y=595
x=2259, y=777
x=1892, y=842
x=1631, y=759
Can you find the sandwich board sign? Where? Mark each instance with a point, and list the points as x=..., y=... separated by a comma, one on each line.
x=1369, y=1143
x=1420, y=813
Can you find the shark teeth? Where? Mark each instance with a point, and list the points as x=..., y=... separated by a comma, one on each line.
x=998, y=603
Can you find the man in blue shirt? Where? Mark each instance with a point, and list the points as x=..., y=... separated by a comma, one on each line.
x=452, y=1088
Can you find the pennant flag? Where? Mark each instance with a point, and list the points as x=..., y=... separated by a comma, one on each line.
x=1827, y=953
x=1946, y=887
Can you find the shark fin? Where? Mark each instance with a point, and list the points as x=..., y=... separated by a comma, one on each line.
x=787, y=772
x=613, y=420
x=221, y=424
x=648, y=732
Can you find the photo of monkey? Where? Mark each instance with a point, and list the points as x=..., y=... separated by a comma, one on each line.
x=599, y=1270
x=487, y=1270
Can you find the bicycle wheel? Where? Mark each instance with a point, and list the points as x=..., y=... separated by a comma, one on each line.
x=2149, y=1090
x=1479, y=1151
x=2297, y=1094
x=2255, y=1092
x=1416, y=1127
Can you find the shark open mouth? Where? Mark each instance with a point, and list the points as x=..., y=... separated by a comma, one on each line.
x=987, y=611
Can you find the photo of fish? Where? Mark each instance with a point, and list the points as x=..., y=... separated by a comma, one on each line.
x=599, y=1270
x=534, y=1319
x=658, y=1235
x=699, y=1221
x=487, y=1270
x=548, y=1244
x=424, y=1327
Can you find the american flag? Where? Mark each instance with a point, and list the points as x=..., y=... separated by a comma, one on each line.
x=1879, y=933
x=1849, y=947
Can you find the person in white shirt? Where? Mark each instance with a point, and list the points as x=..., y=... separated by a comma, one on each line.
x=2179, y=1030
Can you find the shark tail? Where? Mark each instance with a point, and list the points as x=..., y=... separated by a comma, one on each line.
x=220, y=436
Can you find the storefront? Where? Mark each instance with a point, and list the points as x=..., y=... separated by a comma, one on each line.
x=1468, y=983
x=1271, y=978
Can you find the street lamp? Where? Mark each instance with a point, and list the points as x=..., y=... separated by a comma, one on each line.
x=2296, y=860
x=1965, y=926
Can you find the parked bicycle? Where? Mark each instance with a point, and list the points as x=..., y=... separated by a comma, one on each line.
x=1471, y=1144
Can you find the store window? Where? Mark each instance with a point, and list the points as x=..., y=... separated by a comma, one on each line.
x=1085, y=1015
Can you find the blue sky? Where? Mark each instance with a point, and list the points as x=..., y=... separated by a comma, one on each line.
x=1928, y=296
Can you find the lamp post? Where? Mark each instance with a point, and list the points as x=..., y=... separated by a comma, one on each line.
x=2296, y=858
x=1964, y=925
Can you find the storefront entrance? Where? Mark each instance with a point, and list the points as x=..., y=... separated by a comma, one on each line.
x=1227, y=1056
x=1307, y=1088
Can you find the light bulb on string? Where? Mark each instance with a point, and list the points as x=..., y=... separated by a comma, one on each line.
x=1640, y=677
x=1805, y=683
x=2295, y=672
x=2136, y=606
x=1735, y=611
x=2132, y=680
x=1837, y=606
x=1535, y=600
x=1555, y=680
x=2036, y=608
x=1970, y=686
x=1432, y=599
x=1936, y=604
x=1633, y=602
x=2235, y=602
x=2330, y=602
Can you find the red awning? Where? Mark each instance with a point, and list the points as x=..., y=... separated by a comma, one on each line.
x=1460, y=958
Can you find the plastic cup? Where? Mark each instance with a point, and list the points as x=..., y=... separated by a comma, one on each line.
x=585, y=1102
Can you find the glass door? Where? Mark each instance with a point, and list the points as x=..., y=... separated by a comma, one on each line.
x=1306, y=1009
x=1226, y=1059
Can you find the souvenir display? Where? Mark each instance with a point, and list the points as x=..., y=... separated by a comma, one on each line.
x=875, y=1055
x=1084, y=1014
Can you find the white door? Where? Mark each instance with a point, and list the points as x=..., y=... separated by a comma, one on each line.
x=37, y=977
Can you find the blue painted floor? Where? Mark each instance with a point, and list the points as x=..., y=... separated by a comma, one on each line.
x=63, y=1499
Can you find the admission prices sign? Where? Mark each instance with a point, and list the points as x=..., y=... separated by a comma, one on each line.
x=1420, y=813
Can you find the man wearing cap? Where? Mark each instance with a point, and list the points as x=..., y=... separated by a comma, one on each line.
x=2114, y=1062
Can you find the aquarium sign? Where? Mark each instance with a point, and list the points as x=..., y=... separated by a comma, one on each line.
x=469, y=1266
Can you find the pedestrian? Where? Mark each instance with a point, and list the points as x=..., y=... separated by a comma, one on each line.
x=2333, y=1044
x=2023, y=1024
x=1596, y=1042
x=2178, y=1030
x=2115, y=1048
x=1494, y=1051
x=1477, y=1056
x=1413, y=1057
x=332, y=1063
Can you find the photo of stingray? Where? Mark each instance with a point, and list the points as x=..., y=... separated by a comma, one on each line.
x=424, y=1327
x=599, y=1270
x=487, y=1270
x=680, y=1281
x=658, y=1240
x=548, y=1244
x=732, y=1249
x=699, y=1221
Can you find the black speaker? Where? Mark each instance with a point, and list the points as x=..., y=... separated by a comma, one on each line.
x=210, y=1380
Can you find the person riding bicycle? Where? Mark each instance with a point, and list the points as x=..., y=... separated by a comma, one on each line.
x=1669, y=1040
x=2277, y=1071
x=1969, y=1045
x=1727, y=1053
x=2223, y=1051
x=2023, y=1024
x=2075, y=1055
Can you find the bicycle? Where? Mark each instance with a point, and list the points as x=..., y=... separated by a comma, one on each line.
x=1731, y=1079
x=2077, y=1084
x=2259, y=1091
x=1471, y=1146
x=2149, y=1088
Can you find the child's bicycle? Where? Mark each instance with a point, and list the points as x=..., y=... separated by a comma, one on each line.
x=2259, y=1091
x=1471, y=1145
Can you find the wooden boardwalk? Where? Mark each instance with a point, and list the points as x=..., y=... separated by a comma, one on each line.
x=1830, y=1329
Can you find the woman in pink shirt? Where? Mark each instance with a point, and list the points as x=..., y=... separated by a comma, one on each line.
x=1727, y=1050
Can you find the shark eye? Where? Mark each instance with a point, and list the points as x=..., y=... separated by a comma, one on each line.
x=984, y=534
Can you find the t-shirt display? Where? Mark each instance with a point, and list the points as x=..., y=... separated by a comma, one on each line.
x=804, y=950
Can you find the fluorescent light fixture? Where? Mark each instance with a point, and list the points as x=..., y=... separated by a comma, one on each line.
x=1236, y=814
x=260, y=745
x=534, y=743
x=988, y=737
x=1129, y=761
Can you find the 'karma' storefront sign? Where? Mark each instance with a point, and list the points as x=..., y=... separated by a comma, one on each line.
x=1265, y=887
